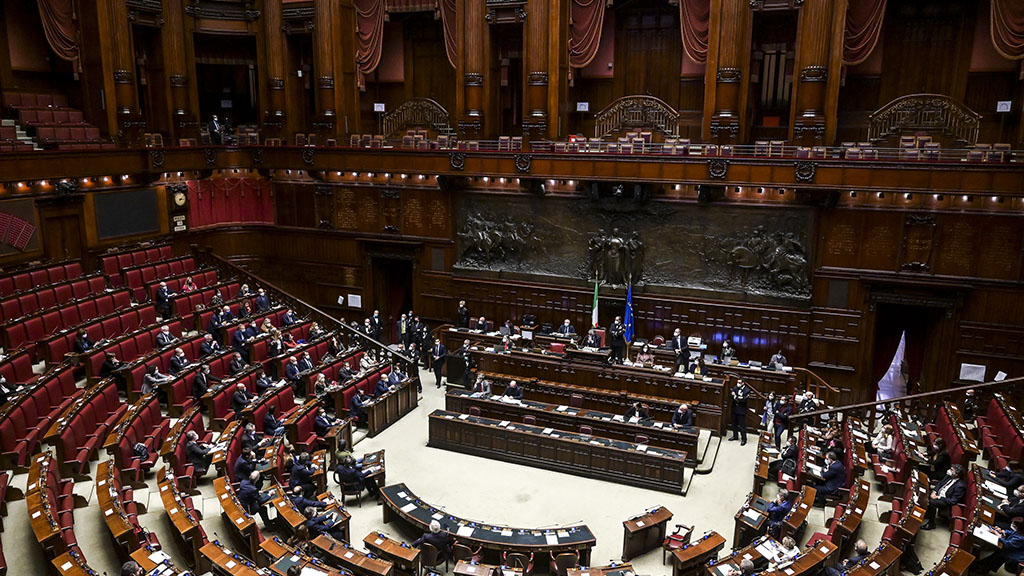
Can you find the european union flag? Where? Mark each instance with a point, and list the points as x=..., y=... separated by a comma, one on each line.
x=629, y=315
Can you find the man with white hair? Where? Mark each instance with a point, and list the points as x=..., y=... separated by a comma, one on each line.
x=163, y=300
x=438, y=539
x=198, y=453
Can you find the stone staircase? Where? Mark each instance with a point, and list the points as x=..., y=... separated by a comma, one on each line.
x=21, y=134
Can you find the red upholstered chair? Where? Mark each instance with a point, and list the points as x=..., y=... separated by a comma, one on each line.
x=564, y=562
x=518, y=560
x=558, y=347
x=675, y=540
x=601, y=335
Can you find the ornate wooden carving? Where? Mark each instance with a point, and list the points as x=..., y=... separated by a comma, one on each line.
x=925, y=112
x=637, y=112
x=804, y=171
x=418, y=113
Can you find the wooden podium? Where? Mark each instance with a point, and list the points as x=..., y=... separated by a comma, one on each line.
x=644, y=533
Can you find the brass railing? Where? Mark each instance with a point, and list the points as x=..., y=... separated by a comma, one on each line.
x=925, y=112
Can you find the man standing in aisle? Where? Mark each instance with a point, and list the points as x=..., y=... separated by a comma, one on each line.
x=437, y=356
x=617, y=331
x=740, y=393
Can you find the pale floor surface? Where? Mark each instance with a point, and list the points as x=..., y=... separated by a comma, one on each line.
x=473, y=488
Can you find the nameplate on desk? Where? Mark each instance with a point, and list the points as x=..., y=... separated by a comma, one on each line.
x=100, y=483
x=378, y=542
x=506, y=533
x=108, y=512
x=230, y=564
x=504, y=423
x=349, y=554
x=437, y=515
x=547, y=431
x=65, y=566
x=37, y=514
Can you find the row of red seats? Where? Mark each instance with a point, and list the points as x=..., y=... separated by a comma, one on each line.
x=301, y=427
x=300, y=332
x=113, y=264
x=49, y=295
x=908, y=512
x=129, y=347
x=81, y=430
x=173, y=450
x=65, y=135
x=17, y=368
x=105, y=327
x=115, y=497
x=330, y=370
x=185, y=303
x=39, y=275
x=26, y=419
x=179, y=390
x=28, y=331
x=943, y=428
x=283, y=400
x=161, y=358
x=1000, y=437
x=9, y=140
x=201, y=318
x=142, y=424
x=218, y=399
x=141, y=274
x=51, y=117
x=50, y=496
x=19, y=100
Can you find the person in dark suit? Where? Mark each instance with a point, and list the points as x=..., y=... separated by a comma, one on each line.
x=507, y=329
x=480, y=325
x=251, y=439
x=783, y=410
x=263, y=382
x=198, y=453
x=165, y=339
x=679, y=346
x=216, y=130
x=289, y=318
x=109, y=369
x=463, y=315
x=1009, y=554
x=240, y=342
x=404, y=331
x=237, y=365
x=637, y=410
x=245, y=465
x=437, y=357
x=970, y=407
x=791, y=452
x=163, y=300
x=322, y=423
x=376, y=326
x=566, y=329
x=202, y=382
x=617, y=332
x=834, y=476
x=323, y=524
x=178, y=362
x=356, y=408
x=740, y=394
x=728, y=352
x=683, y=416
x=240, y=399
x=383, y=387
x=1011, y=507
x=938, y=460
x=348, y=472
x=1008, y=478
x=482, y=386
x=209, y=346
x=591, y=340
x=947, y=493
x=262, y=301
x=860, y=553
x=292, y=373
x=216, y=326
x=395, y=376
x=302, y=475
x=438, y=539
x=271, y=425
x=252, y=499
x=83, y=343
x=777, y=512
x=301, y=502
x=305, y=363
x=513, y=391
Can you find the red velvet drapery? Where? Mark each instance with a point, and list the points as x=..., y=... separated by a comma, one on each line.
x=1008, y=29
x=586, y=19
x=370, y=33
x=448, y=16
x=863, y=28
x=694, y=24
x=59, y=25
x=230, y=200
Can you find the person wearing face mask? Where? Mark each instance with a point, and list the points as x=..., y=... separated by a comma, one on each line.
x=1011, y=507
x=947, y=493
x=645, y=357
x=1009, y=554
x=679, y=346
x=834, y=475
x=376, y=325
x=938, y=460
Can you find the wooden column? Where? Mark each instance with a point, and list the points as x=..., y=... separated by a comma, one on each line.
x=727, y=79
x=272, y=71
x=471, y=69
x=347, y=92
x=325, y=22
x=129, y=122
x=178, y=66
x=337, y=96
x=819, y=50
x=537, y=67
x=558, y=68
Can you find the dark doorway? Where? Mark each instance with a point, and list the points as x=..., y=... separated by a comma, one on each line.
x=508, y=76
x=63, y=238
x=226, y=78
x=392, y=292
x=926, y=329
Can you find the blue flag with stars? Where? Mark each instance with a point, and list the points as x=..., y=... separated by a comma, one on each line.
x=629, y=315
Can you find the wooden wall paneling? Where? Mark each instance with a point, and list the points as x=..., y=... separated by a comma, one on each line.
x=6, y=74
x=347, y=91
x=536, y=36
x=727, y=77
x=428, y=74
x=295, y=204
x=125, y=95
x=648, y=52
x=326, y=21
x=301, y=91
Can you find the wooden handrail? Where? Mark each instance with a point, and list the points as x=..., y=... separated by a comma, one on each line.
x=822, y=389
x=299, y=305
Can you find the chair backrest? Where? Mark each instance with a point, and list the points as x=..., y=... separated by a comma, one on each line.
x=518, y=560
x=429, y=555
x=531, y=420
x=586, y=430
x=566, y=561
x=461, y=552
x=576, y=400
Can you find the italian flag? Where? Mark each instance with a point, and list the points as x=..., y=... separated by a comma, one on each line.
x=593, y=310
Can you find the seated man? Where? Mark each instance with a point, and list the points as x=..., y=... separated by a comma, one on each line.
x=1011, y=507
x=237, y=365
x=566, y=329
x=383, y=387
x=251, y=439
x=513, y=391
x=110, y=368
x=1008, y=478
x=348, y=473
x=746, y=568
x=209, y=345
x=438, y=539
x=305, y=363
x=202, y=382
x=396, y=376
x=165, y=339
x=323, y=524
x=683, y=416
x=322, y=423
x=1010, y=552
x=289, y=318
x=637, y=410
x=860, y=552
x=263, y=382
x=178, y=362
x=245, y=465
x=948, y=492
x=198, y=453
x=301, y=502
x=790, y=453
x=777, y=512
x=834, y=476
x=591, y=340
x=252, y=499
x=302, y=475
x=240, y=399
x=356, y=407
x=271, y=425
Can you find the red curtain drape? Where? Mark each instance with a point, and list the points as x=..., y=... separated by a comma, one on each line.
x=1008, y=29
x=59, y=26
x=448, y=16
x=230, y=200
x=586, y=18
x=370, y=32
x=863, y=28
x=694, y=23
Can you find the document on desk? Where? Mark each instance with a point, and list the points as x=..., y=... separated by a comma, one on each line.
x=987, y=534
x=618, y=419
x=770, y=451
x=506, y=533
x=753, y=516
x=309, y=571
x=547, y=431
x=437, y=515
x=641, y=447
x=504, y=423
x=659, y=424
x=562, y=408
x=403, y=495
x=465, y=531
x=463, y=416
x=158, y=557
x=408, y=507
x=996, y=488
x=552, y=539
x=814, y=469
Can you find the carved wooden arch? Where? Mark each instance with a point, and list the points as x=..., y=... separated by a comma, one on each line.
x=637, y=113
x=417, y=113
x=925, y=112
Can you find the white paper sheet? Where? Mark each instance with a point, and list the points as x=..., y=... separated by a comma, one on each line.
x=408, y=507
x=465, y=531
x=551, y=539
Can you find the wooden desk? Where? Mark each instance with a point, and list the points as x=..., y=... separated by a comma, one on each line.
x=572, y=453
x=802, y=505
x=766, y=454
x=236, y=516
x=690, y=559
x=569, y=419
x=463, y=568
x=401, y=504
x=71, y=563
x=954, y=564
x=182, y=517
x=386, y=409
x=849, y=522
x=281, y=556
x=809, y=562
x=294, y=517
x=148, y=559
x=110, y=503
x=222, y=560
x=613, y=570
x=884, y=560
x=644, y=533
x=344, y=556
x=405, y=558
x=751, y=520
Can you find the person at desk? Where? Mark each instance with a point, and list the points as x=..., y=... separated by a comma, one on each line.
x=481, y=324
x=740, y=394
x=178, y=362
x=1008, y=478
x=240, y=399
x=645, y=357
x=348, y=473
x=395, y=377
x=566, y=329
x=110, y=368
x=783, y=410
x=679, y=346
x=302, y=503
x=790, y=551
x=321, y=385
x=271, y=425
x=808, y=404
x=464, y=349
x=290, y=318
x=202, y=382
x=683, y=416
x=305, y=363
x=591, y=340
x=1010, y=552
x=437, y=357
x=263, y=382
x=778, y=359
x=833, y=475
x=357, y=408
x=245, y=464
x=1011, y=507
x=322, y=423
x=438, y=539
x=698, y=367
x=237, y=365
x=948, y=492
x=637, y=410
x=506, y=344
x=209, y=346
x=508, y=329
x=789, y=454
x=860, y=553
x=251, y=439
x=728, y=352
x=152, y=380
x=83, y=343
x=165, y=339
x=252, y=499
x=198, y=453
x=746, y=568
x=131, y=568
x=482, y=386
x=302, y=475
x=938, y=460
x=462, y=314
x=617, y=331
x=513, y=391
x=777, y=512
x=383, y=387
x=883, y=443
